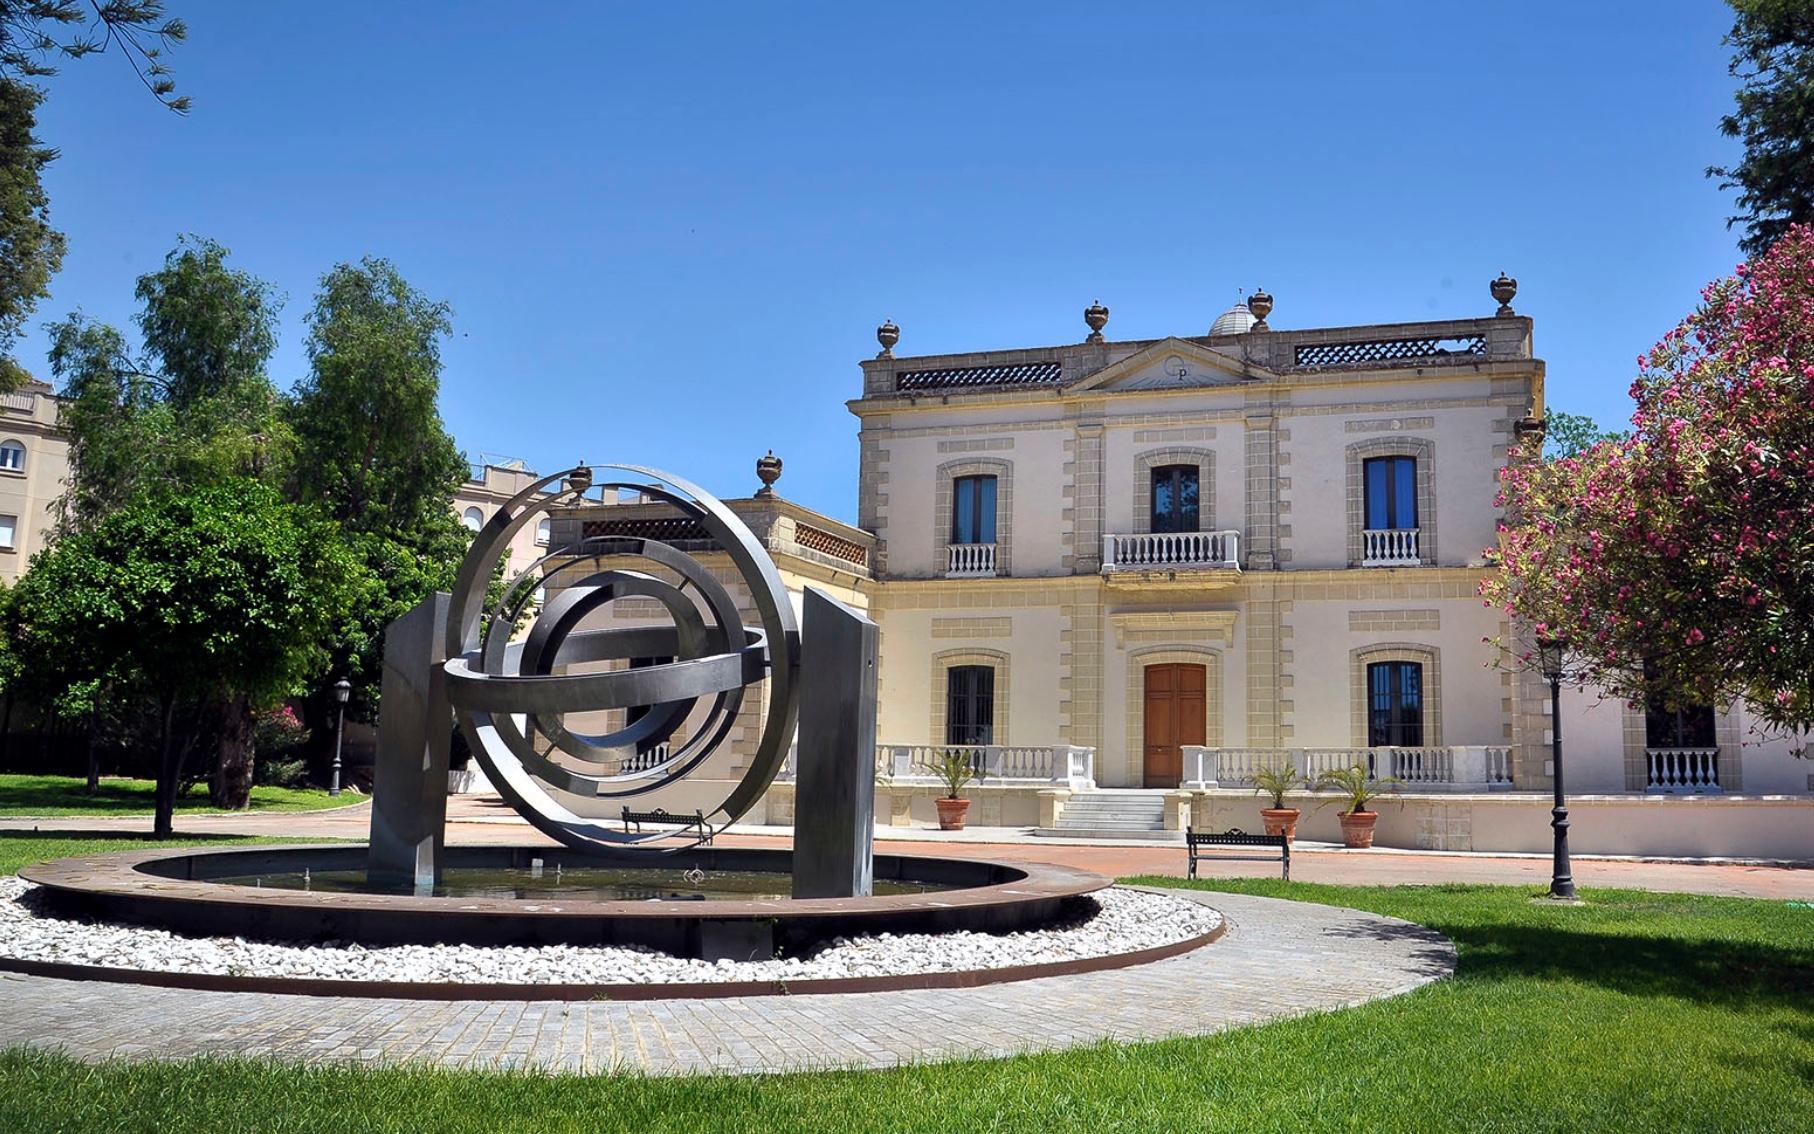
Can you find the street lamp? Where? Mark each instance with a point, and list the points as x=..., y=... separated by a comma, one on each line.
x=1549, y=660
x=342, y=690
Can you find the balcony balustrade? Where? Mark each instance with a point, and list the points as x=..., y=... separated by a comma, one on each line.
x=1049, y=765
x=1456, y=768
x=1389, y=547
x=1685, y=771
x=969, y=560
x=1166, y=551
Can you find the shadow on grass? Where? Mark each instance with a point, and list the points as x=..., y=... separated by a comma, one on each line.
x=115, y=835
x=1701, y=969
x=25, y=798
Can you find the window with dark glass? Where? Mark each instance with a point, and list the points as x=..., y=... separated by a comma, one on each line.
x=1391, y=485
x=973, y=510
x=1395, y=704
x=1684, y=726
x=1175, y=498
x=970, y=704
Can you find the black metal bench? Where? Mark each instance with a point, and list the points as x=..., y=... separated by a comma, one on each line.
x=661, y=817
x=1235, y=837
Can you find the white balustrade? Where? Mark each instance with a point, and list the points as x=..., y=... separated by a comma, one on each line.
x=1389, y=547
x=1499, y=767
x=1065, y=764
x=1447, y=768
x=19, y=401
x=643, y=760
x=1682, y=770
x=1163, y=550
x=969, y=560
x=1421, y=765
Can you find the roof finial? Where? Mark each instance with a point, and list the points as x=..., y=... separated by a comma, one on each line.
x=1504, y=288
x=768, y=471
x=1097, y=317
x=1261, y=305
x=887, y=334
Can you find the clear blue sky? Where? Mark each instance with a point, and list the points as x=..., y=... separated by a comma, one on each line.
x=668, y=231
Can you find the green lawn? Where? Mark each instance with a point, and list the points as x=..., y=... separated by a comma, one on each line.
x=1637, y=1011
x=68, y=795
x=18, y=848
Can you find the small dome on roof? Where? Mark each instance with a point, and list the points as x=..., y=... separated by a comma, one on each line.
x=1237, y=320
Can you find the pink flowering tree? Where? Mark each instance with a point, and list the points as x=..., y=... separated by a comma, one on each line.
x=1678, y=563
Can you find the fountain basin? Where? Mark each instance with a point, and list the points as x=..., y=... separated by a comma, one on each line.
x=183, y=891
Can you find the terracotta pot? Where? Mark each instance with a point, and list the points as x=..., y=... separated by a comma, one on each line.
x=1357, y=827
x=1281, y=821
x=951, y=813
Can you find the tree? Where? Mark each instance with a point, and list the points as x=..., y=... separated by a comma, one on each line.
x=30, y=250
x=373, y=454
x=1571, y=434
x=220, y=594
x=196, y=408
x=1679, y=562
x=1774, y=61
x=33, y=33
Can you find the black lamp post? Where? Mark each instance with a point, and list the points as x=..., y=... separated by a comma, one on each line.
x=342, y=690
x=1549, y=659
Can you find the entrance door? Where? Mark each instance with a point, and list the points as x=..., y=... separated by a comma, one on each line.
x=1174, y=718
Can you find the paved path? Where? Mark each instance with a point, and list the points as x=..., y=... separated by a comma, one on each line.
x=1278, y=959
x=480, y=820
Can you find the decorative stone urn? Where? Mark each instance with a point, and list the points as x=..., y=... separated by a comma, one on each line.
x=951, y=813
x=768, y=471
x=887, y=334
x=1281, y=821
x=1357, y=828
x=1097, y=316
x=1260, y=304
x=1504, y=288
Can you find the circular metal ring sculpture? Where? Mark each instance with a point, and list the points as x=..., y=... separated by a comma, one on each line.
x=514, y=706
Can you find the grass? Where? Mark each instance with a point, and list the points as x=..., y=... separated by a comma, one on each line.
x=19, y=848
x=51, y=796
x=1633, y=1012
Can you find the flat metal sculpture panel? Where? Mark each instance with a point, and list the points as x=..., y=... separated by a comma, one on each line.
x=513, y=700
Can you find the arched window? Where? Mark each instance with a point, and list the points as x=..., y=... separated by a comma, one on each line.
x=12, y=456
x=544, y=530
x=473, y=518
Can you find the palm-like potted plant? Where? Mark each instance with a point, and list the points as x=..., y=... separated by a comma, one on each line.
x=956, y=767
x=1275, y=780
x=1357, y=789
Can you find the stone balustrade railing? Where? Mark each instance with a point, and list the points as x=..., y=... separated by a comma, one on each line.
x=969, y=560
x=1689, y=771
x=1463, y=767
x=1167, y=550
x=1389, y=547
x=1053, y=765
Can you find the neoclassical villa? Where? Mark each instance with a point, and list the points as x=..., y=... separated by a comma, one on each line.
x=1127, y=573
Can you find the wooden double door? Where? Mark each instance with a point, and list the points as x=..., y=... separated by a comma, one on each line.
x=1175, y=716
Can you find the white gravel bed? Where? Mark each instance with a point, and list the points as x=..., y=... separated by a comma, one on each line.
x=1113, y=921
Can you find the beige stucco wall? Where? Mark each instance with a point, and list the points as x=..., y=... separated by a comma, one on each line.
x=30, y=496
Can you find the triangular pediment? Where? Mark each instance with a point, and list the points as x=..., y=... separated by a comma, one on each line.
x=1171, y=364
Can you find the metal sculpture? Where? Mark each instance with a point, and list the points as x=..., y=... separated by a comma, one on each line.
x=513, y=703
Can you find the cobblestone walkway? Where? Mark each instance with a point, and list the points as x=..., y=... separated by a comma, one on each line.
x=1278, y=958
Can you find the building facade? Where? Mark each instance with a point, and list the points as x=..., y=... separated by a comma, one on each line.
x=1192, y=556
x=34, y=465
